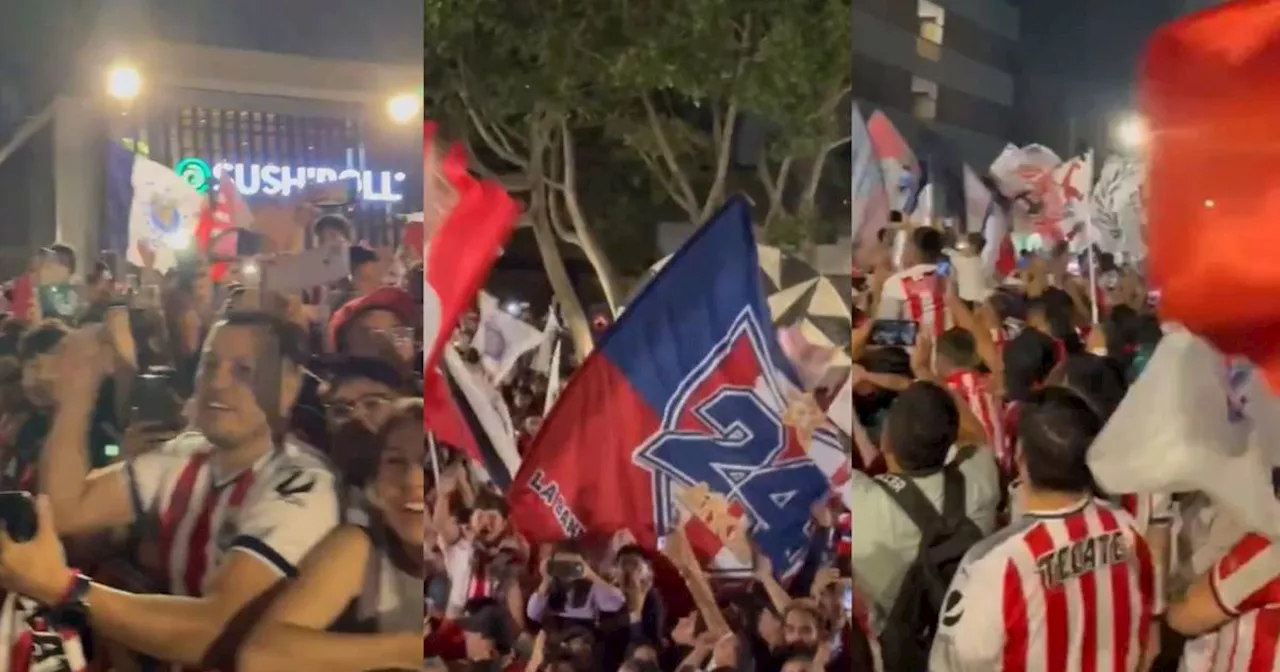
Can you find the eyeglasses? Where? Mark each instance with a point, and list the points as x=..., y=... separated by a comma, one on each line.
x=360, y=406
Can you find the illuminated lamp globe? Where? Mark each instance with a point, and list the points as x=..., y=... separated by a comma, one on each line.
x=124, y=82
x=1131, y=133
x=405, y=108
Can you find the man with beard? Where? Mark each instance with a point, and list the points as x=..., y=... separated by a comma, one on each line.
x=802, y=630
x=236, y=506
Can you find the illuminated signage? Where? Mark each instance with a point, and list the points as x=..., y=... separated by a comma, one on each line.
x=273, y=180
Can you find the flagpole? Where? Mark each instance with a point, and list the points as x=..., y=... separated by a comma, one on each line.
x=1089, y=240
x=435, y=458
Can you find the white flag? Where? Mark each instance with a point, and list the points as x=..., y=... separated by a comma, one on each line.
x=1073, y=181
x=163, y=212
x=1118, y=215
x=495, y=431
x=501, y=338
x=550, y=340
x=1196, y=421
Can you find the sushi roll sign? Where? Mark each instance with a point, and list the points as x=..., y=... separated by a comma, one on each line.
x=252, y=179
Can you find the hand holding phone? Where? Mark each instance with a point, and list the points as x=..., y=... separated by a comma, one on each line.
x=894, y=333
x=18, y=515
x=565, y=568
x=154, y=401
x=336, y=194
x=316, y=267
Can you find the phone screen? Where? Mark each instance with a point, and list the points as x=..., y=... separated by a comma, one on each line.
x=846, y=599
x=894, y=333
x=18, y=511
x=154, y=400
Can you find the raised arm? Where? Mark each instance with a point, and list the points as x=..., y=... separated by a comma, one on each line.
x=82, y=502
x=292, y=633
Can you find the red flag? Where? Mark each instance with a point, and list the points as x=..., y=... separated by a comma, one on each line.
x=1209, y=97
x=475, y=218
x=225, y=211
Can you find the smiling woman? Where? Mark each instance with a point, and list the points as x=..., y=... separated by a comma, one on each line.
x=312, y=623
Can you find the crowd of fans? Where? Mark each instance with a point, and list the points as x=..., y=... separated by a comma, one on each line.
x=236, y=476
x=980, y=539
x=494, y=602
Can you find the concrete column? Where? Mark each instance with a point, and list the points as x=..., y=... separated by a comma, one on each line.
x=78, y=174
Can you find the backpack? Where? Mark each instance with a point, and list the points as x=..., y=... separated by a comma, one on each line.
x=944, y=539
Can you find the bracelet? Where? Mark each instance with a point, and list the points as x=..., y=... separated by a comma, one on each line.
x=76, y=590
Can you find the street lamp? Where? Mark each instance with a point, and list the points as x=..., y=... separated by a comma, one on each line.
x=1130, y=133
x=405, y=107
x=124, y=82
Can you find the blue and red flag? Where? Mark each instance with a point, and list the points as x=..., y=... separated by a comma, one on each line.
x=687, y=413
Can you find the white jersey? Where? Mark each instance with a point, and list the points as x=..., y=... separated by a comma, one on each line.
x=1066, y=591
x=914, y=294
x=276, y=510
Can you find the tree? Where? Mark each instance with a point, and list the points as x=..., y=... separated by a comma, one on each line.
x=683, y=74
x=590, y=108
x=508, y=80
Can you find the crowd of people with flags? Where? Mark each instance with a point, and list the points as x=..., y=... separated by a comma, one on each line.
x=213, y=453
x=1065, y=394
x=674, y=503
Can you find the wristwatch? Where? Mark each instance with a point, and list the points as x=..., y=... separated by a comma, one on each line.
x=77, y=595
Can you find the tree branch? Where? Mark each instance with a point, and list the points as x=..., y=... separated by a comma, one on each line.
x=724, y=140
x=493, y=138
x=515, y=182
x=829, y=105
x=557, y=224
x=683, y=195
x=774, y=186
x=559, y=190
x=724, y=149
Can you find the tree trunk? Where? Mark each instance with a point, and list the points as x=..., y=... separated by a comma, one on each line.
x=605, y=273
x=575, y=318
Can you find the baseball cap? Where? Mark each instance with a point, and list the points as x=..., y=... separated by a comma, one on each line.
x=391, y=299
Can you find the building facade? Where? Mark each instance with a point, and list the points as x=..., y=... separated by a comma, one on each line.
x=945, y=64
x=270, y=99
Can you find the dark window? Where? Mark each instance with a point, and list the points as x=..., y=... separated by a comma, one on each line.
x=900, y=13
x=977, y=43
x=957, y=108
x=881, y=84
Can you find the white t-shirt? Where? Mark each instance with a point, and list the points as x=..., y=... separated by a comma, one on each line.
x=885, y=540
x=276, y=510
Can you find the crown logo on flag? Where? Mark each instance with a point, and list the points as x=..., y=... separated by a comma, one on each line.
x=804, y=415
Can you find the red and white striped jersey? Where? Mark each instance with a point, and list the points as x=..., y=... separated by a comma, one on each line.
x=1148, y=510
x=1246, y=583
x=975, y=389
x=1054, y=592
x=915, y=294
x=276, y=510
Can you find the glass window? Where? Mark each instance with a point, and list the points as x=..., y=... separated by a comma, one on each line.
x=933, y=19
x=924, y=97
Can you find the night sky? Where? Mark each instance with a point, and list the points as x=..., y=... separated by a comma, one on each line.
x=1080, y=59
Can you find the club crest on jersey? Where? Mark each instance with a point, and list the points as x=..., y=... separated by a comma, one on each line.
x=729, y=459
x=295, y=486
